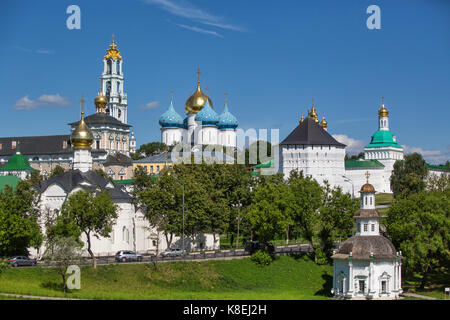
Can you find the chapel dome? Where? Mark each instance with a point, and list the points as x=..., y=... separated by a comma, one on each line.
x=171, y=119
x=196, y=101
x=227, y=120
x=362, y=246
x=82, y=137
x=367, y=188
x=383, y=112
x=100, y=101
x=207, y=116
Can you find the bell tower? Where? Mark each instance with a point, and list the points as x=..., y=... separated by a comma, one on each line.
x=112, y=83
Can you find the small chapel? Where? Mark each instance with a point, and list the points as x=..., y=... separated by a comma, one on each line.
x=367, y=265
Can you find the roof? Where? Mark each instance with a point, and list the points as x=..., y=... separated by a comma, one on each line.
x=383, y=138
x=267, y=164
x=159, y=158
x=17, y=162
x=308, y=132
x=8, y=180
x=125, y=181
x=171, y=119
x=101, y=118
x=363, y=164
x=362, y=246
x=36, y=145
x=118, y=159
x=437, y=167
x=89, y=180
x=367, y=213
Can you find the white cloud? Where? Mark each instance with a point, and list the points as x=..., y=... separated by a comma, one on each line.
x=430, y=156
x=196, y=29
x=184, y=9
x=39, y=51
x=46, y=100
x=150, y=105
x=353, y=146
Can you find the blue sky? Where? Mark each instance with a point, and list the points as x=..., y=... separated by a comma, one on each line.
x=272, y=57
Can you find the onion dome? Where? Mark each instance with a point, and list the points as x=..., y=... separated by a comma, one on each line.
x=301, y=119
x=323, y=123
x=313, y=113
x=196, y=101
x=171, y=118
x=100, y=102
x=82, y=137
x=367, y=187
x=226, y=119
x=207, y=116
x=383, y=112
x=113, y=52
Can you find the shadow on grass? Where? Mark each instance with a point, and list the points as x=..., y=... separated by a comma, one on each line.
x=53, y=285
x=326, y=287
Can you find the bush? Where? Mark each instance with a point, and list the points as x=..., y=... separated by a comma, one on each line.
x=321, y=256
x=262, y=258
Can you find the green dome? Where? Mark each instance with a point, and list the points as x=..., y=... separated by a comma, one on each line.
x=17, y=162
x=383, y=138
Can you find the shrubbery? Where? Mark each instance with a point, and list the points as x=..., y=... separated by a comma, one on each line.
x=262, y=258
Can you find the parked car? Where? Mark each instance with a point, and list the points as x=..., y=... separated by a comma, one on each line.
x=127, y=256
x=19, y=261
x=173, y=252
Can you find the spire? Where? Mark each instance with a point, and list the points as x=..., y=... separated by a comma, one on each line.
x=301, y=119
x=171, y=96
x=198, y=77
x=226, y=99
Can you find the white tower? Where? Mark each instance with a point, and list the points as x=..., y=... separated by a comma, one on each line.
x=112, y=84
x=132, y=143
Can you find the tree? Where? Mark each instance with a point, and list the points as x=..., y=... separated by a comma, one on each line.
x=35, y=178
x=438, y=182
x=336, y=217
x=305, y=205
x=354, y=157
x=56, y=171
x=270, y=213
x=92, y=214
x=63, y=252
x=19, y=228
x=258, y=148
x=409, y=175
x=419, y=226
x=150, y=149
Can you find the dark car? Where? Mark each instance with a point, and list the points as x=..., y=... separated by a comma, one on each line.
x=253, y=246
x=19, y=261
x=127, y=256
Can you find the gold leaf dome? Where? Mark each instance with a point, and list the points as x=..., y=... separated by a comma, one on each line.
x=82, y=137
x=313, y=114
x=100, y=101
x=383, y=112
x=323, y=123
x=113, y=52
x=196, y=102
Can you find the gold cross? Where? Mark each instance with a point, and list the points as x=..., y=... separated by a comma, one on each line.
x=113, y=37
x=198, y=75
x=171, y=96
x=313, y=102
x=367, y=176
x=382, y=100
x=226, y=98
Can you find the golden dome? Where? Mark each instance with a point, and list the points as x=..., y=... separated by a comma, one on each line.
x=82, y=137
x=196, y=101
x=323, y=123
x=113, y=52
x=100, y=101
x=313, y=114
x=367, y=188
x=301, y=119
x=383, y=112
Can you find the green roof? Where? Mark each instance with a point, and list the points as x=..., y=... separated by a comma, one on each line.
x=437, y=167
x=126, y=181
x=363, y=164
x=268, y=164
x=383, y=138
x=8, y=180
x=17, y=162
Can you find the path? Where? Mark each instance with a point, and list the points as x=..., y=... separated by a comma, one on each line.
x=414, y=295
x=23, y=296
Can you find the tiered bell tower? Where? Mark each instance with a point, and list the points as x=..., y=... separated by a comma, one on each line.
x=112, y=84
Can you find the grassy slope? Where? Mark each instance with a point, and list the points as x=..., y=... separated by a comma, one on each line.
x=241, y=279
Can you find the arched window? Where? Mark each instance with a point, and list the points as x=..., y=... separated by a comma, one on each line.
x=109, y=67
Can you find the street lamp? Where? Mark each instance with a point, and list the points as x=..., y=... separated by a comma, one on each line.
x=239, y=206
x=346, y=179
x=182, y=188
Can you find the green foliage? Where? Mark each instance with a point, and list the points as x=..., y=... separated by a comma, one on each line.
x=56, y=171
x=19, y=228
x=63, y=252
x=439, y=183
x=261, y=258
x=35, y=177
x=409, y=175
x=419, y=226
x=354, y=157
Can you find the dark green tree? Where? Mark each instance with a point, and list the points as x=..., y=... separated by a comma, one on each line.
x=419, y=226
x=409, y=175
x=56, y=171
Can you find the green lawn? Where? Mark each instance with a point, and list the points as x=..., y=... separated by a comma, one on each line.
x=384, y=198
x=241, y=279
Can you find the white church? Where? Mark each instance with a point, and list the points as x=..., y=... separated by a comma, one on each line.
x=131, y=231
x=311, y=149
x=367, y=266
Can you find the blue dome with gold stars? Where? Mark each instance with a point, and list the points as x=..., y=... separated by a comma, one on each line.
x=171, y=119
x=227, y=120
x=207, y=116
